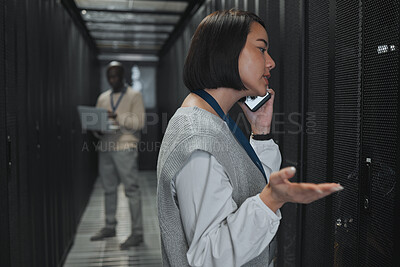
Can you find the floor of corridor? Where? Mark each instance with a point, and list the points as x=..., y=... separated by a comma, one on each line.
x=107, y=253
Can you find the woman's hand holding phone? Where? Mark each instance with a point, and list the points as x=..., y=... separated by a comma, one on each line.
x=261, y=119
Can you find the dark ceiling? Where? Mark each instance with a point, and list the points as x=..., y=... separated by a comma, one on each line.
x=132, y=27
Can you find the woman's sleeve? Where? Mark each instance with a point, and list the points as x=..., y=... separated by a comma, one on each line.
x=269, y=155
x=218, y=232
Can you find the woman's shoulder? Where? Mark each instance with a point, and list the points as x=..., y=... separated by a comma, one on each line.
x=192, y=129
x=196, y=115
x=197, y=121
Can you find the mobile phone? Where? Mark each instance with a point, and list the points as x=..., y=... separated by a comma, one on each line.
x=254, y=103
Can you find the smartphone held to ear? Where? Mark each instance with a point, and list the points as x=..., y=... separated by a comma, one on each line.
x=254, y=103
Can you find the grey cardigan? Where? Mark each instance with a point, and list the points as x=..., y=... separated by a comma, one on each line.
x=193, y=129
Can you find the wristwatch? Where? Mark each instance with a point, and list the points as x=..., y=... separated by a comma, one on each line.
x=262, y=137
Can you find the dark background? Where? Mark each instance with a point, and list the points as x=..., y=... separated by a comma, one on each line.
x=336, y=120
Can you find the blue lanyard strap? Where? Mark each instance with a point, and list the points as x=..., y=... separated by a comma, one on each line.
x=234, y=129
x=114, y=108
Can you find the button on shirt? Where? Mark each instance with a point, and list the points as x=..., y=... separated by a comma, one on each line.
x=217, y=231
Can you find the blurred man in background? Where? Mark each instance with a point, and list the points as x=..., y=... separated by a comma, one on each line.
x=118, y=153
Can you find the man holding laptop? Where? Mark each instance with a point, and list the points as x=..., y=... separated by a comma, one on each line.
x=118, y=153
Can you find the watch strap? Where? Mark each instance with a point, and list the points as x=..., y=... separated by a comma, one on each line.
x=262, y=137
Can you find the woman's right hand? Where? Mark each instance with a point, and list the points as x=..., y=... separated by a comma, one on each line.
x=279, y=190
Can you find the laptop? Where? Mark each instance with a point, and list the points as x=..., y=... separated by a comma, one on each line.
x=94, y=119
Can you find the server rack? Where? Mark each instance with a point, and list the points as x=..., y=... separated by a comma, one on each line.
x=47, y=69
x=336, y=120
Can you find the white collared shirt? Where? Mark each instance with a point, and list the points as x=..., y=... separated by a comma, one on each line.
x=217, y=231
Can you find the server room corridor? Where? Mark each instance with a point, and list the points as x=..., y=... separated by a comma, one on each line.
x=108, y=253
x=336, y=119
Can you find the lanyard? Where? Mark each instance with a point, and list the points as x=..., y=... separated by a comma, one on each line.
x=114, y=108
x=234, y=129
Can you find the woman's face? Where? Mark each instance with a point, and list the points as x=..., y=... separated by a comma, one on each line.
x=254, y=61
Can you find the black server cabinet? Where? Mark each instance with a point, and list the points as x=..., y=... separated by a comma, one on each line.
x=316, y=219
x=4, y=147
x=353, y=80
x=47, y=69
x=379, y=136
x=336, y=120
x=346, y=45
x=284, y=21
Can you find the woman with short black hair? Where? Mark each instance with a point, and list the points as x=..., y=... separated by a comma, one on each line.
x=219, y=194
x=214, y=51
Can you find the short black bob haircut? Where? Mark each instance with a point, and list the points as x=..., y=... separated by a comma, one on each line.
x=213, y=56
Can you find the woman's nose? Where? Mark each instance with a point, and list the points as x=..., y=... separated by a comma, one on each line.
x=269, y=62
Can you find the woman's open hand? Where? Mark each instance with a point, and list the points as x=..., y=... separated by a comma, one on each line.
x=279, y=190
x=260, y=120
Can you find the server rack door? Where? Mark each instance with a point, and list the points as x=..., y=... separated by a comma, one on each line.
x=380, y=92
x=51, y=180
x=61, y=211
x=288, y=112
x=36, y=133
x=316, y=234
x=11, y=128
x=353, y=62
x=4, y=218
x=346, y=141
x=22, y=140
